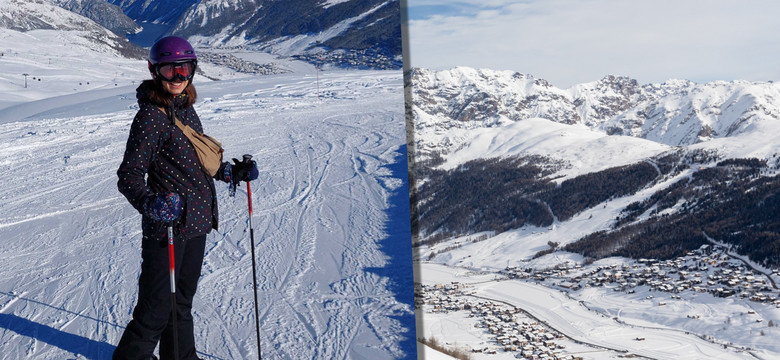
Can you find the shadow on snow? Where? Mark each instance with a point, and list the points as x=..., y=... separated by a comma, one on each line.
x=78, y=345
x=75, y=344
x=398, y=247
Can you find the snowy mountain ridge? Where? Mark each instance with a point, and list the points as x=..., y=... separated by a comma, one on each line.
x=352, y=33
x=25, y=16
x=675, y=113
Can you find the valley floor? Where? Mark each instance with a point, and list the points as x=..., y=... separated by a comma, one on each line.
x=595, y=323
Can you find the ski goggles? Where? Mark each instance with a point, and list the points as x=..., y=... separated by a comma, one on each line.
x=182, y=71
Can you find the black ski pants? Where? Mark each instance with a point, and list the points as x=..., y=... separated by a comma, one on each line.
x=152, y=320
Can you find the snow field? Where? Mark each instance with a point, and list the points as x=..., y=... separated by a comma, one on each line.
x=718, y=317
x=583, y=149
x=70, y=257
x=63, y=61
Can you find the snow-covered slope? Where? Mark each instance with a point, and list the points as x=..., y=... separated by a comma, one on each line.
x=583, y=150
x=24, y=16
x=330, y=223
x=58, y=63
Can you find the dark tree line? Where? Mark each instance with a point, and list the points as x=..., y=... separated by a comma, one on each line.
x=502, y=194
x=749, y=163
x=585, y=191
x=651, y=239
x=729, y=203
x=483, y=195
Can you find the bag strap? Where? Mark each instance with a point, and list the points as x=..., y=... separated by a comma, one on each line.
x=186, y=129
x=174, y=120
x=194, y=136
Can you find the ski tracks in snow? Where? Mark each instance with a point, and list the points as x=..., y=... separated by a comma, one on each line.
x=319, y=211
x=62, y=222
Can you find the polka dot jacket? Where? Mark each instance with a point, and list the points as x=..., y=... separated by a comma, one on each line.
x=160, y=159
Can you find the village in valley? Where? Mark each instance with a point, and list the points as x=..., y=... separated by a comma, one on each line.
x=510, y=328
x=709, y=269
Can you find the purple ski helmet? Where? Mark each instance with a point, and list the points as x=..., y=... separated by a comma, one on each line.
x=171, y=49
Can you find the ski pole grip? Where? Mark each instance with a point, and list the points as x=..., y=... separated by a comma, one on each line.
x=247, y=158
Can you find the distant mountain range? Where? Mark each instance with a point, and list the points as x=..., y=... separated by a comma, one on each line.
x=347, y=33
x=690, y=163
x=26, y=15
x=676, y=112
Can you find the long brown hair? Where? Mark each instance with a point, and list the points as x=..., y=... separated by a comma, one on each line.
x=160, y=97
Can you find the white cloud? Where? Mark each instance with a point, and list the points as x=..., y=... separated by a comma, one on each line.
x=569, y=41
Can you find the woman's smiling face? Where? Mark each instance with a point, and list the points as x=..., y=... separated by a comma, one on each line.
x=174, y=87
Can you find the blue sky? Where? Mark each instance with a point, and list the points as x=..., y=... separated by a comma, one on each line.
x=427, y=9
x=573, y=41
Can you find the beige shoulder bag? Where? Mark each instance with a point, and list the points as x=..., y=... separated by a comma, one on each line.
x=209, y=150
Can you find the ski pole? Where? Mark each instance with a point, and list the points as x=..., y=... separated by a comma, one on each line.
x=173, y=292
x=248, y=159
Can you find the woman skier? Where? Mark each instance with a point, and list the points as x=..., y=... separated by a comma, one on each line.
x=162, y=177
